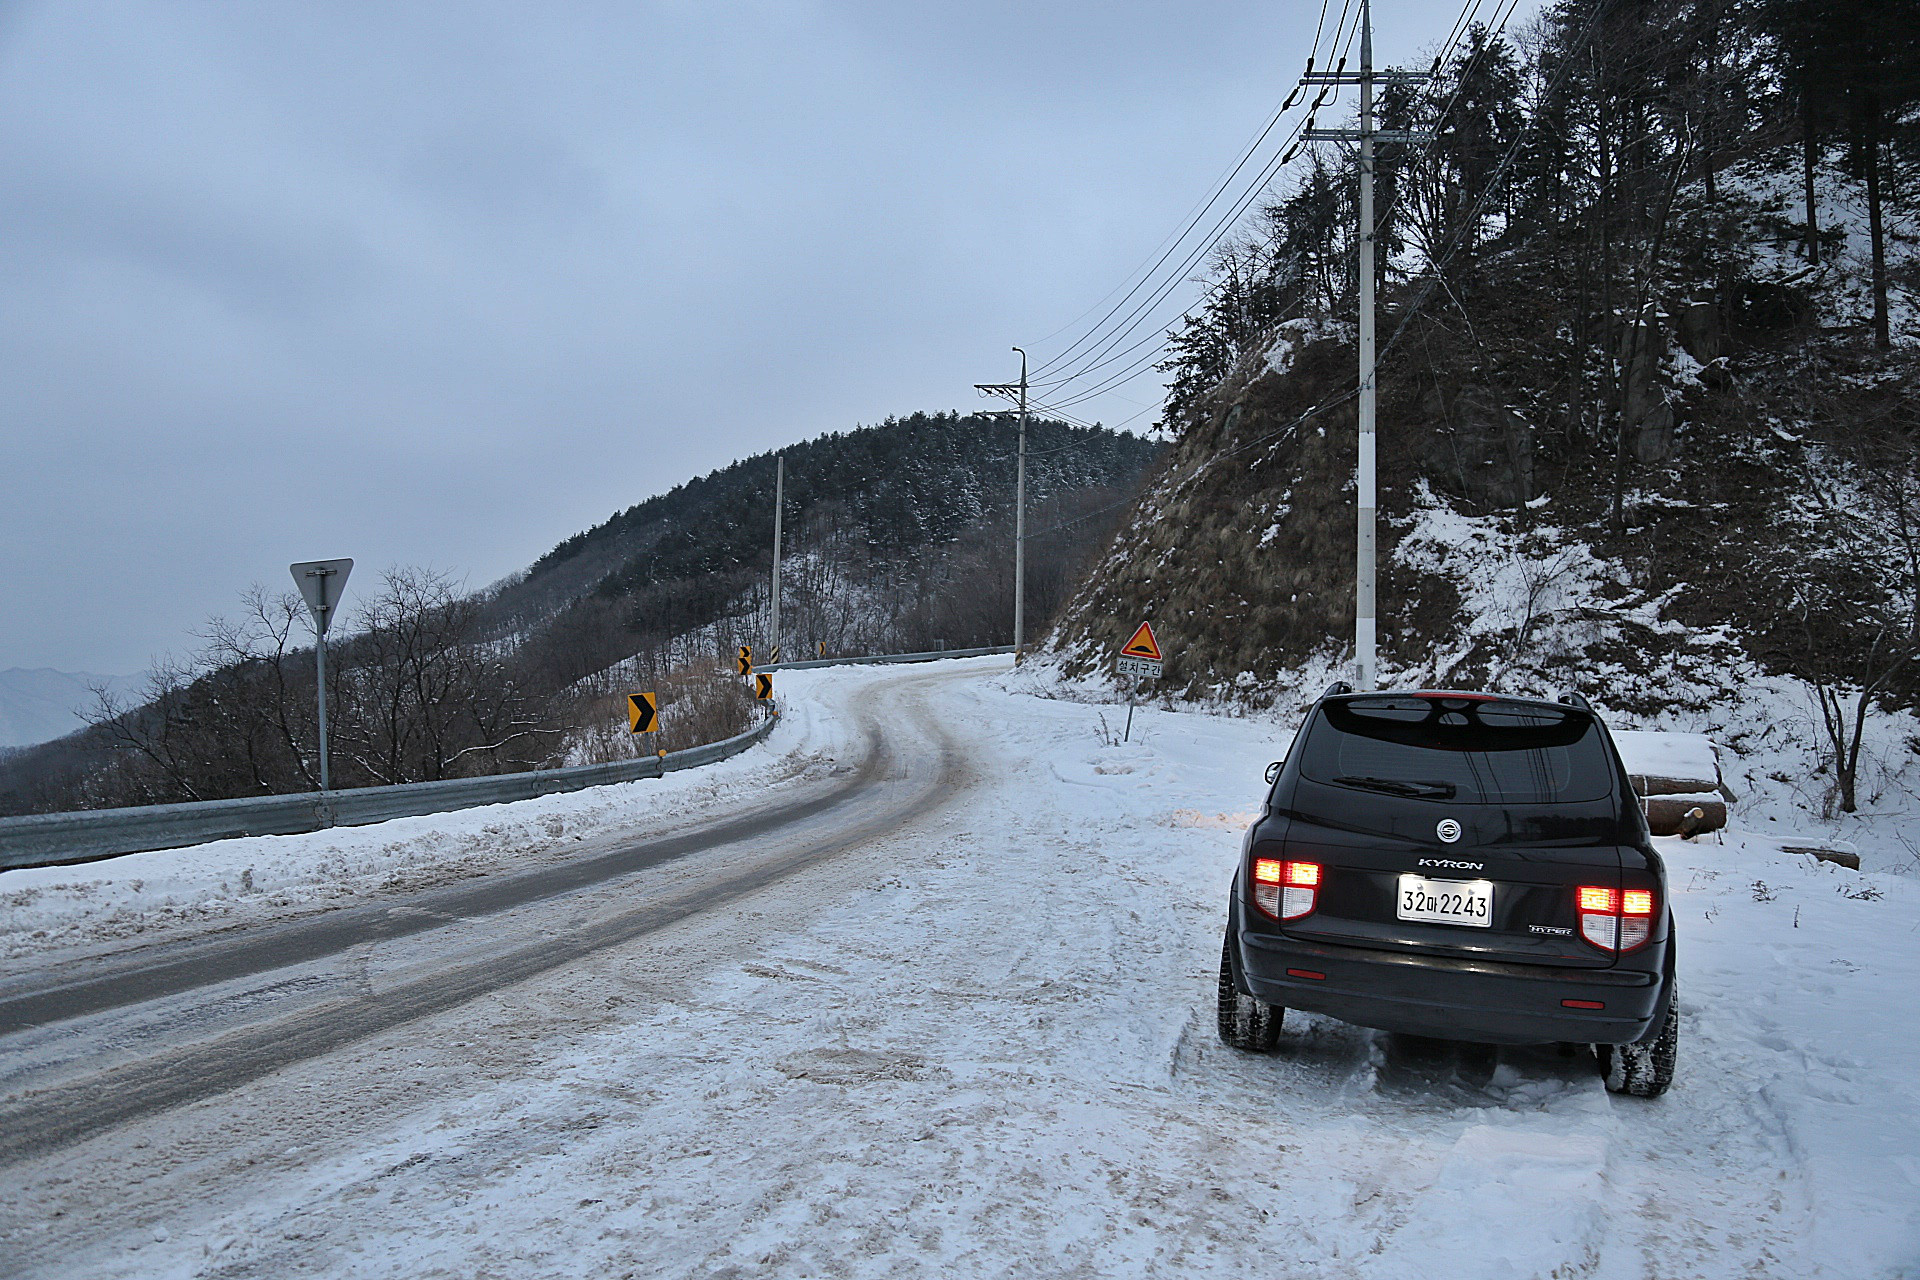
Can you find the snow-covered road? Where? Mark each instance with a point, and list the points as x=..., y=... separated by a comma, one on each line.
x=980, y=1043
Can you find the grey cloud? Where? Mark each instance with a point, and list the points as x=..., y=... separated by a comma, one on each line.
x=445, y=283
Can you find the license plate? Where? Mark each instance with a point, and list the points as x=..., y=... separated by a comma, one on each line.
x=1468, y=902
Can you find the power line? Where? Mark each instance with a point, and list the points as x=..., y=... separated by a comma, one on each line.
x=1134, y=319
x=1099, y=349
x=1194, y=213
x=1412, y=310
x=1253, y=192
x=1219, y=190
x=1220, y=231
x=1459, y=240
x=1462, y=22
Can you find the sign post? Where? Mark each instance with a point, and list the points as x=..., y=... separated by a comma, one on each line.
x=321, y=583
x=1139, y=658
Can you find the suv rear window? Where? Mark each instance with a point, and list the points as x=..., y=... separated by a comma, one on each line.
x=1459, y=749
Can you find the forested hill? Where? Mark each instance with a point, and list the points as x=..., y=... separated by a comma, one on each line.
x=1649, y=388
x=897, y=536
x=880, y=522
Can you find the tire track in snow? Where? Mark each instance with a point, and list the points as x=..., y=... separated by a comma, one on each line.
x=1758, y=1201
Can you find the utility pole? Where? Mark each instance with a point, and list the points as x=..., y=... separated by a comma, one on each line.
x=1366, y=671
x=1020, y=526
x=1017, y=391
x=779, y=502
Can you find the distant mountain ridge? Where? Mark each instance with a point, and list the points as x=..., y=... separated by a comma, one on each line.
x=897, y=537
x=39, y=704
x=911, y=518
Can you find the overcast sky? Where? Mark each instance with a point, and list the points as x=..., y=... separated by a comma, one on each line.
x=442, y=284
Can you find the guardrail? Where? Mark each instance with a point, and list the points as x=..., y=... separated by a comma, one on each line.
x=930, y=656
x=86, y=835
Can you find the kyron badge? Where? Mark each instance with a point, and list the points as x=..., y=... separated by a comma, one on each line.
x=1448, y=831
x=1452, y=865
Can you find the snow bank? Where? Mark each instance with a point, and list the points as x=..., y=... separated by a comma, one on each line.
x=1549, y=610
x=1688, y=757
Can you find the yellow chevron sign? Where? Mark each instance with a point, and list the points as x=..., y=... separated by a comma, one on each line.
x=643, y=712
x=763, y=687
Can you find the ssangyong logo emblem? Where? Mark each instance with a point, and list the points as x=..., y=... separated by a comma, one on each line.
x=1448, y=831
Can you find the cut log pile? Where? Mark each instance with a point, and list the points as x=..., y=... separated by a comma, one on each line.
x=1677, y=777
x=1678, y=806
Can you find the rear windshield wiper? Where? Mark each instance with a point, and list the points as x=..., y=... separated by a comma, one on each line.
x=1399, y=787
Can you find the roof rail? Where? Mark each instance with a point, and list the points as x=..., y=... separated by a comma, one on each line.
x=1574, y=698
x=1336, y=688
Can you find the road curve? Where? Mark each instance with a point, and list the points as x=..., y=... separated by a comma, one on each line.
x=907, y=766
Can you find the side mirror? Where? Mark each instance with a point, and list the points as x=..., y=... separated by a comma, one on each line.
x=1273, y=772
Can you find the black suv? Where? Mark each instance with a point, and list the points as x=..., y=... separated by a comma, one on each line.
x=1464, y=866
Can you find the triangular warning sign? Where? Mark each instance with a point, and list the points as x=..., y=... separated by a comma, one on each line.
x=1143, y=645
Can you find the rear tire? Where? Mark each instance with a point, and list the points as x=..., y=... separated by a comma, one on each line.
x=1245, y=1023
x=1645, y=1069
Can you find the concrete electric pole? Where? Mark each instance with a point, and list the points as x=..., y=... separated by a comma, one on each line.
x=779, y=502
x=1366, y=671
x=1017, y=390
x=1020, y=526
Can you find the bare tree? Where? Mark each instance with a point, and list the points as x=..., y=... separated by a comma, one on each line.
x=421, y=697
x=279, y=711
x=1844, y=706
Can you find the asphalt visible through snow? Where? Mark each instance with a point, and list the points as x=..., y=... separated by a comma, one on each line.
x=884, y=789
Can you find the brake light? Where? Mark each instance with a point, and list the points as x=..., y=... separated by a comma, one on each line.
x=1285, y=890
x=1613, y=920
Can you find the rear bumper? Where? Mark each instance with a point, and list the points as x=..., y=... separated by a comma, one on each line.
x=1447, y=999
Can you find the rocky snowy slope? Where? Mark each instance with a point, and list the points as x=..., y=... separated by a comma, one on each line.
x=1717, y=560
x=982, y=1046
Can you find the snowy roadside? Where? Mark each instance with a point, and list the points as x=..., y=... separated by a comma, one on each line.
x=994, y=1056
x=163, y=894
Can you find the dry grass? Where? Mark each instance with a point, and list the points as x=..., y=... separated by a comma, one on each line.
x=699, y=703
x=1241, y=551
